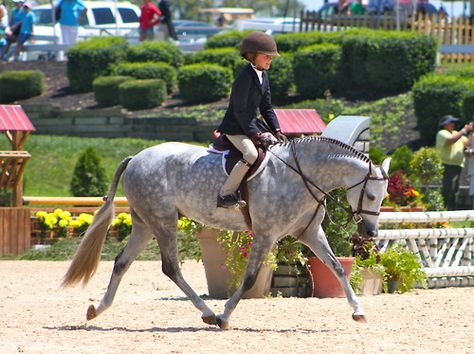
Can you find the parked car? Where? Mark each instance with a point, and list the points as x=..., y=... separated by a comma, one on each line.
x=271, y=25
x=187, y=29
x=100, y=20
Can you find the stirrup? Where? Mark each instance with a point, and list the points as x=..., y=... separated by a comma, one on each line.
x=230, y=201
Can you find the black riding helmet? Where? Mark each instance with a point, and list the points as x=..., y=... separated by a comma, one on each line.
x=258, y=42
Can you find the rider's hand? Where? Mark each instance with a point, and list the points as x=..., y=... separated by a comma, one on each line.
x=281, y=137
x=262, y=139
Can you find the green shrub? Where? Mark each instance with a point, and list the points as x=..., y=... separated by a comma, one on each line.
x=149, y=70
x=291, y=42
x=227, y=57
x=88, y=179
x=106, y=89
x=141, y=94
x=396, y=60
x=230, y=38
x=401, y=159
x=317, y=68
x=91, y=58
x=156, y=51
x=427, y=166
x=281, y=77
x=204, y=82
x=433, y=97
x=18, y=85
x=376, y=154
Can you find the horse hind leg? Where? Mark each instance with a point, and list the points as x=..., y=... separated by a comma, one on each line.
x=139, y=239
x=318, y=244
x=167, y=240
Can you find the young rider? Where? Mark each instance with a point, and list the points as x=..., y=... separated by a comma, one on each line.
x=250, y=96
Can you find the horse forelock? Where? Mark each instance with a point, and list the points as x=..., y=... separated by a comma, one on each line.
x=348, y=151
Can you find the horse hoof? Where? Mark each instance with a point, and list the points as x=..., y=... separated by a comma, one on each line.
x=359, y=318
x=222, y=324
x=210, y=320
x=91, y=314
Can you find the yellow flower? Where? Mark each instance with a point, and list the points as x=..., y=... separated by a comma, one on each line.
x=63, y=223
x=41, y=214
x=331, y=116
x=57, y=212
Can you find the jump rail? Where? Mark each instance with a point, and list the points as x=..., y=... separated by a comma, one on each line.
x=447, y=254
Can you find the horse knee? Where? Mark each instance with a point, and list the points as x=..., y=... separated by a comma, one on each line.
x=169, y=269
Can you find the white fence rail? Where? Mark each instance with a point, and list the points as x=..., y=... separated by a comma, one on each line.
x=447, y=254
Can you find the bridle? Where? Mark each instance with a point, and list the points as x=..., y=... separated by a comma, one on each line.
x=355, y=215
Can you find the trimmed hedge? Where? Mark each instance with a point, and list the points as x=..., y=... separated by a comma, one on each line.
x=396, y=60
x=204, y=82
x=149, y=70
x=106, y=89
x=281, y=77
x=230, y=38
x=156, y=51
x=91, y=58
x=22, y=84
x=227, y=57
x=435, y=96
x=291, y=42
x=141, y=94
x=317, y=68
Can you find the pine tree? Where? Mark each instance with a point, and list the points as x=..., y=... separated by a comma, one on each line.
x=88, y=179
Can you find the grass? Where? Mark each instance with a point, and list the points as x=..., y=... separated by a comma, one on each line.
x=50, y=168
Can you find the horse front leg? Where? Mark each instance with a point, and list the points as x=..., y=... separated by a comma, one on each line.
x=318, y=243
x=259, y=250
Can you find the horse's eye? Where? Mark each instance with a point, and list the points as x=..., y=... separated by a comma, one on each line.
x=371, y=196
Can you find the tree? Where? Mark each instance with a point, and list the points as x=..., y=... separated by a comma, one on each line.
x=88, y=179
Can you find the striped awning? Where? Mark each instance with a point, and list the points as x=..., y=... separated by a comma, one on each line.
x=300, y=121
x=13, y=118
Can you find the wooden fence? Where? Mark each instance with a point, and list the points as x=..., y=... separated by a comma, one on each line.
x=454, y=35
x=447, y=254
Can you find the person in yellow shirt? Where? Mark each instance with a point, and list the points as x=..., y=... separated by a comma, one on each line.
x=451, y=144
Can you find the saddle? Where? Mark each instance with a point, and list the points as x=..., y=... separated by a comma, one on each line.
x=231, y=155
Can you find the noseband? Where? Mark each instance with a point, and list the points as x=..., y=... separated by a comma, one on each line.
x=355, y=215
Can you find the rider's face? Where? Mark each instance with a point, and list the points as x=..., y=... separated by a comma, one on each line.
x=263, y=61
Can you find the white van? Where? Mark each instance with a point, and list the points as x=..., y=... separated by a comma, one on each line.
x=103, y=18
x=270, y=25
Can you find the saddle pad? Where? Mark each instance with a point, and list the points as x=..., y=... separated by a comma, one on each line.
x=226, y=153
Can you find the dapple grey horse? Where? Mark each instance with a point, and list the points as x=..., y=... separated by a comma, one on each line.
x=286, y=198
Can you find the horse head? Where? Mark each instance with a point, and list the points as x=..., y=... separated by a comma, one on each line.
x=365, y=198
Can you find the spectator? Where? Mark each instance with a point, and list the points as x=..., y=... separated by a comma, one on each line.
x=13, y=30
x=72, y=12
x=149, y=17
x=356, y=8
x=451, y=144
x=166, y=23
x=3, y=17
x=26, y=29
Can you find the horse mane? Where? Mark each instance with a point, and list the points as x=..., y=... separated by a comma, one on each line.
x=351, y=151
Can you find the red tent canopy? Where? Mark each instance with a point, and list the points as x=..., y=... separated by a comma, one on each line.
x=300, y=121
x=13, y=118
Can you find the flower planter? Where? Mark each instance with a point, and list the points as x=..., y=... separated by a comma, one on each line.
x=213, y=257
x=325, y=283
x=371, y=282
x=287, y=283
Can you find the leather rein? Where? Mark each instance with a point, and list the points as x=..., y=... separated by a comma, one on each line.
x=355, y=215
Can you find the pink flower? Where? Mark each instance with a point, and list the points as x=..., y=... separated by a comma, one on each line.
x=245, y=254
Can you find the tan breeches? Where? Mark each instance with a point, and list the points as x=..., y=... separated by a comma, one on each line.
x=250, y=154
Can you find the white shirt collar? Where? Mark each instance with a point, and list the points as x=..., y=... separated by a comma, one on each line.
x=259, y=73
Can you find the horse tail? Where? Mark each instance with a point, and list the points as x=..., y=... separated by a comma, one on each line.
x=86, y=259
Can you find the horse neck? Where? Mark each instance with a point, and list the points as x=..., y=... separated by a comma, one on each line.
x=332, y=166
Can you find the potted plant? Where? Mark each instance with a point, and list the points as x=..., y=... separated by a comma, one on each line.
x=368, y=272
x=338, y=230
x=403, y=269
x=290, y=276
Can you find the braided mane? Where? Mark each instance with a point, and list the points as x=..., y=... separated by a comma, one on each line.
x=350, y=150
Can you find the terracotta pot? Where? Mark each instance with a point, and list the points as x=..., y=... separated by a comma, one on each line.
x=325, y=283
x=213, y=257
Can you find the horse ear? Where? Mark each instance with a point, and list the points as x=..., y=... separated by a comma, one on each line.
x=386, y=165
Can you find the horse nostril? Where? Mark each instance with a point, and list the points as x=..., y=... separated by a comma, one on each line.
x=372, y=233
